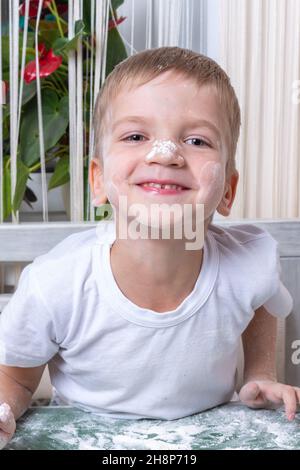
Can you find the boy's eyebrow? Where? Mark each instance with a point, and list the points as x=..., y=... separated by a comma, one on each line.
x=203, y=123
x=129, y=119
x=193, y=123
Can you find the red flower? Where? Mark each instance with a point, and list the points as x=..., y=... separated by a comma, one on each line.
x=112, y=24
x=62, y=8
x=33, y=8
x=49, y=62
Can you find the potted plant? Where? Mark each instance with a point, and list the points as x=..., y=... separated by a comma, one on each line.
x=54, y=48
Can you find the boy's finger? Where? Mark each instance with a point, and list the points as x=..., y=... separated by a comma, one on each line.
x=249, y=392
x=289, y=398
x=9, y=426
x=7, y=420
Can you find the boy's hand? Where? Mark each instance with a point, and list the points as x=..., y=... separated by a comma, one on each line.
x=7, y=424
x=267, y=393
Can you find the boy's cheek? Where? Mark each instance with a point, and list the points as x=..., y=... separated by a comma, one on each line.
x=113, y=186
x=211, y=186
x=116, y=178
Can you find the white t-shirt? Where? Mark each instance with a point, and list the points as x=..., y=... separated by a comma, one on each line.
x=108, y=355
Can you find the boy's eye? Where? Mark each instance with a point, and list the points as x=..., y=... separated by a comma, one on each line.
x=198, y=142
x=133, y=138
x=195, y=140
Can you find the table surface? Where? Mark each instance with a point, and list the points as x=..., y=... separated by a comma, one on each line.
x=230, y=426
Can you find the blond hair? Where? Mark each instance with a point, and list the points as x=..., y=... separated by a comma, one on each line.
x=140, y=68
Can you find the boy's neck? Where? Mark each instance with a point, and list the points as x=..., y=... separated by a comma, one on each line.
x=155, y=274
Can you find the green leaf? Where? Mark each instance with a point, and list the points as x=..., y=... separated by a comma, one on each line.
x=6, y=190
x=48, y=31
x=80, y=28
x=6, y=122
x=61, y=173
x=116, y=3
x=29, y=91
x=55, y=122
x=116, y=51
x=66, y=45
x=5, y=48
x=63, y=44
x=22, y=177
x=87, y=15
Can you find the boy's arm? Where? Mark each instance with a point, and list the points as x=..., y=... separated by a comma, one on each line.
x=259, y=342
x=261, y=389
x=17, y=386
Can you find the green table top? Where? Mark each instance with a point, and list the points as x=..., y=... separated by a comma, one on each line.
x=231, y=426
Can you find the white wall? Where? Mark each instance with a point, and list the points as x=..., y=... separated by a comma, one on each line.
x=205, y=36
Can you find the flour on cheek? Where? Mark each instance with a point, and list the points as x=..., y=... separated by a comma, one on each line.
x=211, y=184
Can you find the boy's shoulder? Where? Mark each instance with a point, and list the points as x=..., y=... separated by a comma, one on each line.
x=239, y=235
x=245, y=248
x=68, y=266
x=72, y=258
x=248, y=261
x=70, y=249
x=68, y=260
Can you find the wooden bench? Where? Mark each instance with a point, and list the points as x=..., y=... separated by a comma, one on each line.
x=22, y=243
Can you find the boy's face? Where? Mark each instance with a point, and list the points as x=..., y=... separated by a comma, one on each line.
x=187, y=121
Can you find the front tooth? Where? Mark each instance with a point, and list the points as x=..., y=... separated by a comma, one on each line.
x=155, y=185
x=163, y=186
x=171, y=186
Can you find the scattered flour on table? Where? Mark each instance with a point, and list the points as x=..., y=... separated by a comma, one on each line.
x=165, y=435
x=227, y=427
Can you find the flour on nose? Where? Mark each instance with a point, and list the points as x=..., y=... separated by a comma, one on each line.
x=165, y=148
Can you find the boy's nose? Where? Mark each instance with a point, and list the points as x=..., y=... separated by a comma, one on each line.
x=165, y=152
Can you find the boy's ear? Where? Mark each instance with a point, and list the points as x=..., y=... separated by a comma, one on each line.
x=229, y=194
x=97, y=182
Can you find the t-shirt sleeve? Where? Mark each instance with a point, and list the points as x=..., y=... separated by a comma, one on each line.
x=27, y=332
x=279, y=303
x=255, y=266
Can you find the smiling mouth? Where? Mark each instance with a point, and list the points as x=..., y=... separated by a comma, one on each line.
x=163, y=189
x=174, y=187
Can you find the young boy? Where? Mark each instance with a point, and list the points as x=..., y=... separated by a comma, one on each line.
x=134, y=327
